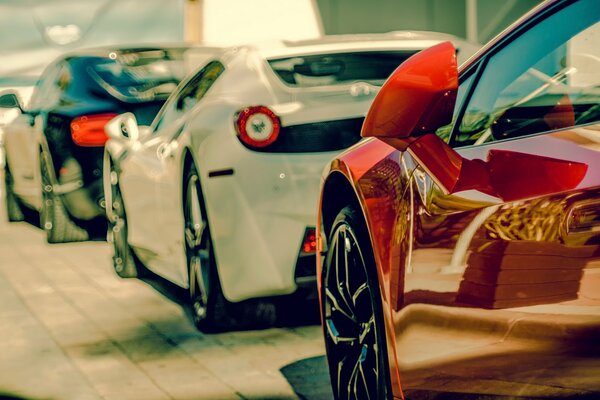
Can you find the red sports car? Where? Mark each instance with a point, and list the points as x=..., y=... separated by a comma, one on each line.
x=461, y=243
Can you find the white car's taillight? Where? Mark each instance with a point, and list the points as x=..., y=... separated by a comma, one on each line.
x=257, y=126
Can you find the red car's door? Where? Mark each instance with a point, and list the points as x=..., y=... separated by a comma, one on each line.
x=501, y=284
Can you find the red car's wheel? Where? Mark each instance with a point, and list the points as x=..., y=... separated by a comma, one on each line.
x=353, y=328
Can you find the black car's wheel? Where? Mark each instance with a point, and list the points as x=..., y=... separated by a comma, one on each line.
x=125, y=262
x=352, y=313
x=208, y=306
x=14, y=211
x=54, y=218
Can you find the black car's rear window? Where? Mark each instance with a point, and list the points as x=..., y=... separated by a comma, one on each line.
x=339, y=68
x=153, y=73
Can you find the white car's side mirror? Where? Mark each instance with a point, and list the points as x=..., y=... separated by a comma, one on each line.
x=124, y=127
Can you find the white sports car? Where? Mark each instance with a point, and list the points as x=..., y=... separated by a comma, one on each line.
x=219, y=195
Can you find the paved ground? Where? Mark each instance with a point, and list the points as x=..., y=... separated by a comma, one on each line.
x=70, y=329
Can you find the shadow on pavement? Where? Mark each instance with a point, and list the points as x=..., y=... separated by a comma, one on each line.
x=309, y=378
x=281, y=311
x=8, y=396
x=32, y=217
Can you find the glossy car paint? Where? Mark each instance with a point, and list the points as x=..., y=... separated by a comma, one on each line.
x=489, y=280
x=259, y=204
x=490, y=294
x=395, y=111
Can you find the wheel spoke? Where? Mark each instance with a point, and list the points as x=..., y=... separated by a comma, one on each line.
x=195, y=225
x=347, y=311
x=363, y=380
x=335, y=335
x=341, y=281
x=347, y=247
x=198, y=250
x=352, y=389
x=346, y=371
x=366, y=330
x=190, y=238
x=361, y=289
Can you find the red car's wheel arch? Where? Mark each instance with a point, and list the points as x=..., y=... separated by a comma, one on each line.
x=343, y=187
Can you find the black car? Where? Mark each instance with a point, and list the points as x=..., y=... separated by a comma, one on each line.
x=54, y=147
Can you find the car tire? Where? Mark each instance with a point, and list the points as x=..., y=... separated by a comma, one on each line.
x=54, y=218
x=14, y=210
x=353, y=324
x=125, y=262
x=209, y=309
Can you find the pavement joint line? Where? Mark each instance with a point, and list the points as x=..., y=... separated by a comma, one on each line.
x=108, y=294
x=51, y=336
x=168, y=339
x=68, y=300
x=72, y=283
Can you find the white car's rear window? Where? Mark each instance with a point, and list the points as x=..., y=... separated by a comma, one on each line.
x=373, y=67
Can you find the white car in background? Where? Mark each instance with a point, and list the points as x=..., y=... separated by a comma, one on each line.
x=219, y=195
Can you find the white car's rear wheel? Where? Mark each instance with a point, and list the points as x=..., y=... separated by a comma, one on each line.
x=208, y=306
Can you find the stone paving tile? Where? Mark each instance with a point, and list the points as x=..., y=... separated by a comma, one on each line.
x=31, y=362
x=114, y=375
x=182, y=377
x=71, y=329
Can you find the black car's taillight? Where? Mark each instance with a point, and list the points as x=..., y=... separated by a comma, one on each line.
x=88, y=130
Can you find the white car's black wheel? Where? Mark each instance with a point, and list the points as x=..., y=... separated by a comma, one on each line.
x=352, y=313
x=208, y=306
x=54, y=218
x=14, y=211
x=124, y=260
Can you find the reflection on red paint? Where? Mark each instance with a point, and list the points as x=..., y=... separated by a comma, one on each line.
x=523, y=273
x=516, y=176
x=562, y=114
x=508, y=175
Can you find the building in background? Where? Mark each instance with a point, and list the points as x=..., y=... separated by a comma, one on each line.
x=476, y=20
x=232, y=22
x=37, y=31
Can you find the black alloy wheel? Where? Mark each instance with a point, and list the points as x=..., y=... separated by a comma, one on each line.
x=54, y=218
x=208, y=306
x=352, y=313
x=124, y=260
x=14, y=210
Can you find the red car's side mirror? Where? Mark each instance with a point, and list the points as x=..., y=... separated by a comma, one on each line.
x=417, y=98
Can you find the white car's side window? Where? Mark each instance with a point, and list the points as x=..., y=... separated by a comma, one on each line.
x=45, y=86
x=184, y=99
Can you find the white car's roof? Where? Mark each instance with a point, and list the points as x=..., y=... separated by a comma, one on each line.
x=401, y=40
